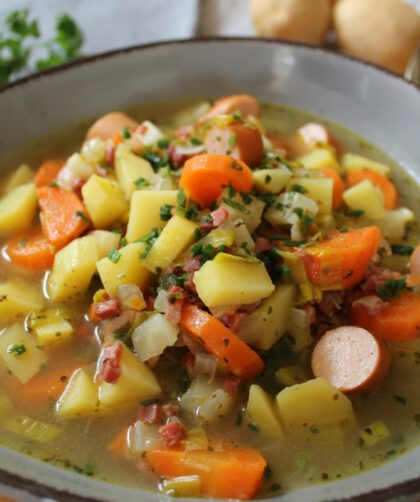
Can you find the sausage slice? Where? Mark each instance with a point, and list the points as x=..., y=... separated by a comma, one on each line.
x=242, y=103
x=351, y=359
x=107, y=125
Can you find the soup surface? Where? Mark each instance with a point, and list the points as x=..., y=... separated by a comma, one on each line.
x=216, y=299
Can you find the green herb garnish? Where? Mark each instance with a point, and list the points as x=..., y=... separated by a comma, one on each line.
x=298, y=188
x=195, y=141
x=82, y=216
x=163, y=143
x=166, y=212
x=235, y=205
x=114, y=255
x=391, y=289
x=141, y=182
x=355, y=213
x=16, y=349
x=401, y=249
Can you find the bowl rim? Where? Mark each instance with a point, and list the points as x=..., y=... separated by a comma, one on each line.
x=24, y=484
x=207, y=39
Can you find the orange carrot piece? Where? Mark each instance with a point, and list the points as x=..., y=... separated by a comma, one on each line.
x=63, y=216
x=223, y=343
x=341, y=261
x=338, y=186
x=242, y=103
x=233, y=473
x=118, y=446
x=399, y=320
x=205, y=176
x=47, y=172
x=117, y=138
x=382, y=182
x=31, y=250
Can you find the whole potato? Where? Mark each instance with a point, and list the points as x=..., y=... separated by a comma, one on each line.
x=385, y=32
x=300, y=20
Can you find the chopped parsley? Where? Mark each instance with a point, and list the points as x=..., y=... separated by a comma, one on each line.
x=246, y=198
x=355, y=213
x=82, y=215
x=235, y=205
x=16, y=349
x=231, y=140
x=22, y=242
x=402, y=249
x=88, y=469
x=126, y=133
x=253, y=427
x=53, y=184
x=166, y=212
x=141, y=183
x=391, y=289
x=181, y=198
x=156, y=160
x=149, y=239
x=400, y=399
x=163, y=143
x=299, y=189
x=198, y=234
x=114, y=255
x=195, y=141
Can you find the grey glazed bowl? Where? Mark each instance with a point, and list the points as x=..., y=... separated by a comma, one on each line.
x=378, y=105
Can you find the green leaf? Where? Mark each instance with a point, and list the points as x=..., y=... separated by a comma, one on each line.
x=68, y=36
x=401, y=249
x=114, y=255
x=18, y=23
x=391, y=289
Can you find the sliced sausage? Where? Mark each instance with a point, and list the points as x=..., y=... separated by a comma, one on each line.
x=351, y=359
x=242, y=103
x=278, y=142
x=241, y=141
x=105, y=127
x=309, y=136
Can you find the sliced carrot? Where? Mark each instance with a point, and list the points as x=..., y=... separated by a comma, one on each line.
x=233, y=473
x=117, y=138
x=338, y=186
x=398, y=320
x=63, y=216
x=31, y=250
x=382, y=182
x=341, y=261
x=47, y=172
x=205, y=176
x=223, y=343
x=118, y=446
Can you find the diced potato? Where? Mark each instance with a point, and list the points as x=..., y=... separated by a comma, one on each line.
x=51, y=327
x=6, y=405
x=366, y=197
x=80, y=397
x=31, y=429
x=94, y=150
x=318, y=158
x=73, y=268
x=129, y=168
x=232, y=280
x=220, y=237
x=394, y=224
x=17, y=208
x=216, y=406
x=127, y=270
x=351, y=161
x=261, y=411
x=18, y=299
x=135, y=383
x=271, y=180
x=267, y=324
x=314, y=403
x=22, y=175
x=242, y=237
x=20, y=353
x=175, y=237
x=250, y=213
x=289, y=208
x=291, y=375
x=104, y=200
x=318, y=189
x=105, y=241
x=145, y=211
x=182, y=486
x=374, y=433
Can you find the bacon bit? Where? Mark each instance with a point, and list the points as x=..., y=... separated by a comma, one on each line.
x=310, y=312
x=373, y=305
x=262, y=244
x=231, y=384
x=219, y=216
x=232, y=321
x=192, y=265
x=110, y=154
x=84, y=330
x=206, y=226
x=176, y=158
x=377, y=277
x=77, y=186
x=150, y=414
x=109, y=369
x=104, y=310
x=172, y=433
x=249, y=307
x=189, y=283
x=170, y=409
x=188, y=363
x=331, y=301
x=174, y=303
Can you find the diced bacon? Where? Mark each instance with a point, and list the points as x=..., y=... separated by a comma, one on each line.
x=331, y=302
x=377, y=277
x=174, y=303
x=231, y=384
x=232, y=321
x=192, y=265
x=176, y=157
x=188, y=363
x=77, y=186
x=310, y=312
x=105, y=310
x=206, y=226
x=109, y=369
x=219, y=216
x=150, y=414
x=249, y=307
x=172, y=433
x=262, y=244
x=110, y=154
x=170, y=409
x=373, y=305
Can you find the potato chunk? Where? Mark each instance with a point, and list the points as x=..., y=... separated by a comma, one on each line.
x=127, y=270
x=319, y=158
x=365, y=197
x=105, y=241
x=17, y=208
x=351, y=161
x=129, y=168
x=104, y=200
x=135, y=383
x=20, y=353
x=268, y=323
x=80, y=397
x=232, y=280
x=18, y=299
x=271, y=180
x=318, y=189
x=22, y=175
x=260, y=409
x=51, y=327
x=175, y=237
x=73, y=268
x=314, y=403
x=145, y=211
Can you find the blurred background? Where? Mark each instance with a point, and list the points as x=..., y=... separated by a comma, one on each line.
x=386, y=32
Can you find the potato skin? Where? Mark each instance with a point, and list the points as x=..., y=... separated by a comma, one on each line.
x=301, y=20
x=385, y=32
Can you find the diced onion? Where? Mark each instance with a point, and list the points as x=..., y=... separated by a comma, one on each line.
x=393, y=226
x=242, y=235
x=189, y=150
x=152, y=337
x=143, y=437
x=160, y=301
x=215, y=406
x=159, y=182
x=199, y=390
x=205, y=364
x=131, y=297
x=148, y=133
x=298, y=327
x=289, y=201
x=182, y=486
